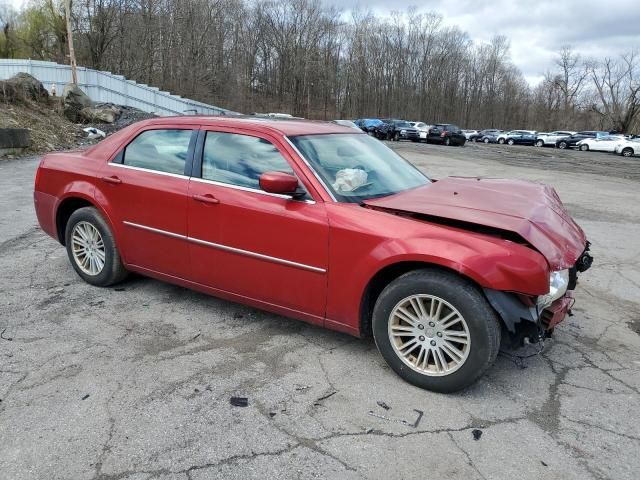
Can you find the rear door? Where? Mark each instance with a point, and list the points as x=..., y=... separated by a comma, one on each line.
x=251, y=243
x=145, y=191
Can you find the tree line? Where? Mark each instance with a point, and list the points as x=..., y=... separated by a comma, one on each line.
x=312, y=60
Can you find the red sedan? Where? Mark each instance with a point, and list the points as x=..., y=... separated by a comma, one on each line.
x=319, y=222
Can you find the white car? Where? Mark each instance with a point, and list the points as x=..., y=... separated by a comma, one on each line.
x=601, y=144
x=423, y=129
x=468, y=133
x=551, y=138
x=628, y=148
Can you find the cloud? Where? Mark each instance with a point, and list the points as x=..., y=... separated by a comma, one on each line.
x=537, y=30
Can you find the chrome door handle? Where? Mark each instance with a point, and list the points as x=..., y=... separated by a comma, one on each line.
x=113, y=179
x=208, y=198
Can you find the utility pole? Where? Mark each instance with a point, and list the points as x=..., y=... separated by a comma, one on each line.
x=72, y=52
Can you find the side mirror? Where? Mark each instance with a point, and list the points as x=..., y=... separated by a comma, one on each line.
x=280, y=183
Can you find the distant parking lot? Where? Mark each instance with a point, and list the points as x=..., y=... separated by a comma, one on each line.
x=134, y=382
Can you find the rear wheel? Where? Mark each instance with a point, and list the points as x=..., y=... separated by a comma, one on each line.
x=539, y=143
x=562, y=145
x=510, y=141
x=92, y=249
x=584, y=148
x=486, y=140
x=436, y=330
x=627, y=152
x=447, y=141
x=396, y=137
x=501, y=141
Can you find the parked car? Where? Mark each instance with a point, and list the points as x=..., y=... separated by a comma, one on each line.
x=600, y=144
x=369, y=125
x=550, y=139
x=324, y=224
x=572, y=140
x=346, y=123
x=514, y=134
x=490, y=136
x=396, y=130
x=519, y=137
x=628, y=147
x=469, y=133
x=477, y=137
x=447, y=134
x=423, y=129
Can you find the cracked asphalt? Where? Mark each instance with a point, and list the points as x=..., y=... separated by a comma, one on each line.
x=134, y=382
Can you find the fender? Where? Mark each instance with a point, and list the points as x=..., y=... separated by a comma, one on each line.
x=359, y=251
x=85, y=191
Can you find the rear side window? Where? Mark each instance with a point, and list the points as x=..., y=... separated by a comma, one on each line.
x=240, y=159
x=159, y=150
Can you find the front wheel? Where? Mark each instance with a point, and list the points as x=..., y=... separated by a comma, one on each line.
x=396, y=137
x=510, y=142
x=539, y=143
x=436, y=330
x=447, y=141
x=563, y=145
x=627, y=152
x=92, y=249
x=584, y=148
x=501, y=141
x=486, y=140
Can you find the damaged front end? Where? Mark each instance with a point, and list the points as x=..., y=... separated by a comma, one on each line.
x=530, y=319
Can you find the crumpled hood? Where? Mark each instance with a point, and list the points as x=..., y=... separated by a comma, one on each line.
x=532, y=210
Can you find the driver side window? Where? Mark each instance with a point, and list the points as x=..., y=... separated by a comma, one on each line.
x=240, y=159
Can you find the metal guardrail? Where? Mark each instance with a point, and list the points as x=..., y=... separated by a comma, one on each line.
x=105, y=87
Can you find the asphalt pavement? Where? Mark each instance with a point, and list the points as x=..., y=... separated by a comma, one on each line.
x=135, y=381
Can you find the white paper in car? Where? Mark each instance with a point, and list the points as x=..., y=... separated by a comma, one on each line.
x=349, y=179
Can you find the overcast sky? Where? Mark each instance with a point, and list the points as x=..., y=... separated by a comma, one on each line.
x=536, y=28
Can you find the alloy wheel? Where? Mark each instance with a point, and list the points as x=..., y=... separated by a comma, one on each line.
x=88, y=248
x=429, y=335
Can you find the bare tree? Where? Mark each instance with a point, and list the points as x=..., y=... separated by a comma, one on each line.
x=617, y=83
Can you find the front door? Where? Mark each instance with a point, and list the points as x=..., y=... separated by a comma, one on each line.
x=243, y=240
x=145, y=192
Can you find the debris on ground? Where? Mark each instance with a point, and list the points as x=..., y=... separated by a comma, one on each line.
x=476, y=433
x=85, y=397
x=239, y=401
x=93, y=133
x=383, y=405
x=324, y=397
x=8, y=339
x=59, y=123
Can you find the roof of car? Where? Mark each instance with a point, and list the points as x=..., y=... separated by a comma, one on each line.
x=282, y=126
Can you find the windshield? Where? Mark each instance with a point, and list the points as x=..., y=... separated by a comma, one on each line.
x=358, y=167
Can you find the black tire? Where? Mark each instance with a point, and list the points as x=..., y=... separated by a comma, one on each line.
x=482, y=322
x=486, y=140
x=539, y=143
x=562, y=145
x=501, y=141
x=447, y=141
x=113, y=270
x=584, y=148
x=510, y=142
x=396, y=137
x=627, y=152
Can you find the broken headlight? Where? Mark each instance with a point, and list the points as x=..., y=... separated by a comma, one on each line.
x=558, y=283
